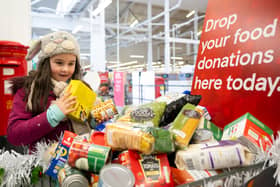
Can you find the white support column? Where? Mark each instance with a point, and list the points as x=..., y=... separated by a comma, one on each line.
x=16, y=22
x=173, y=48
x=167, y=36
x=97, y=43
x=118, y=34
x=195, y=46
x=150, y=44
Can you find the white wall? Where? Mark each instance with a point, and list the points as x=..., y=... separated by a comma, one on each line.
x=15, y=21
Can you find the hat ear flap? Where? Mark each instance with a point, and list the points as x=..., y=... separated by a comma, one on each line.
x=33, y=50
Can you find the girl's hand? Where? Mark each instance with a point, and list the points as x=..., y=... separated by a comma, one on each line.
x=66, y=103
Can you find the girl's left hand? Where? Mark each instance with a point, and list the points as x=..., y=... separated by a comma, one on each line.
x=66, y=103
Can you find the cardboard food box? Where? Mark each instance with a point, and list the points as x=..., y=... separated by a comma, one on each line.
x=250, y=131
x=148, y=170
x=85, y=99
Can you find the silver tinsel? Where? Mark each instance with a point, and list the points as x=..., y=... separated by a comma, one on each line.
x=273, y=156
x=18, y=167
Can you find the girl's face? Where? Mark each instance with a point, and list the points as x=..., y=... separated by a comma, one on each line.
x=62, y=66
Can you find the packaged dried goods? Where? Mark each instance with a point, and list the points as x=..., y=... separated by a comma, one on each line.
x=174, y=103
x=148, y=112
x=163, y=140
x=185, y=125
x=61, y=154
x=121, y=137
x=218, y=155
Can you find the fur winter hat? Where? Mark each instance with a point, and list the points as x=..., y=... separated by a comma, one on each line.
x=53, y=44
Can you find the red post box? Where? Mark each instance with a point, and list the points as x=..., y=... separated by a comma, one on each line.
x=159, y=83
x=12, y=64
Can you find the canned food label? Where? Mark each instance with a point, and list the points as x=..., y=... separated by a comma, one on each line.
x=151, y=167
x=97, y=157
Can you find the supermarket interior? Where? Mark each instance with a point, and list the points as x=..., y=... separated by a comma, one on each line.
x=144, y=93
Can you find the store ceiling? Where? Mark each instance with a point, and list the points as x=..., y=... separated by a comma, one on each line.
x=45, y=20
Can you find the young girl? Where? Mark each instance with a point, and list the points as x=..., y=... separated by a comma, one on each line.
x=39, y=111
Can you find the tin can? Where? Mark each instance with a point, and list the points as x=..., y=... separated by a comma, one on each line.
x=71, y=177
x=202, y=136
x=89, y=157
x=116, y=175
x=97, y=138
x=124, y=159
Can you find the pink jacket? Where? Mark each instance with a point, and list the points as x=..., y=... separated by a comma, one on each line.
x=24, y=128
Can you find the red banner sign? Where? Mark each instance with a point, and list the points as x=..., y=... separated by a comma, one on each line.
x=238, y=62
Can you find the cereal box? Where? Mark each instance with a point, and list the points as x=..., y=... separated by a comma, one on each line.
x=85, y=99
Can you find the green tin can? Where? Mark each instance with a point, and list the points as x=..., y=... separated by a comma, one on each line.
x=98, y=156
x=89, y=157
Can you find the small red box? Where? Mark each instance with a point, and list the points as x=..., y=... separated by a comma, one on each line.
x=148, y=170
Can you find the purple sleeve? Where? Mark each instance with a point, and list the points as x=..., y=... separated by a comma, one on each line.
x=23, y=128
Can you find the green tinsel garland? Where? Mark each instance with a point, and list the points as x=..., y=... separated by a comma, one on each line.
x=36, y=174
x=2, y=173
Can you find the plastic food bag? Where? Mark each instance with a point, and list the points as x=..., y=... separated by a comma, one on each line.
x=175, y=102
x=148, y=112
x=185, y=125
x=163, y=140
x=121, y=137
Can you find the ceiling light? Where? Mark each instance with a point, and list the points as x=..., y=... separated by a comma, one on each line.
x=136, y=56
x=123, y=64
x=85, y=54
x=64, y=6
x=180, y=62
x=101, y=6
x=176, y=58
x=190, y=14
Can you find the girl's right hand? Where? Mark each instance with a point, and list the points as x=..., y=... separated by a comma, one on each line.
x=66, y=103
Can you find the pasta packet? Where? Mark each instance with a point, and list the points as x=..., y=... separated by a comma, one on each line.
x=185, y=125
x=122, y=137
x=174, y=103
